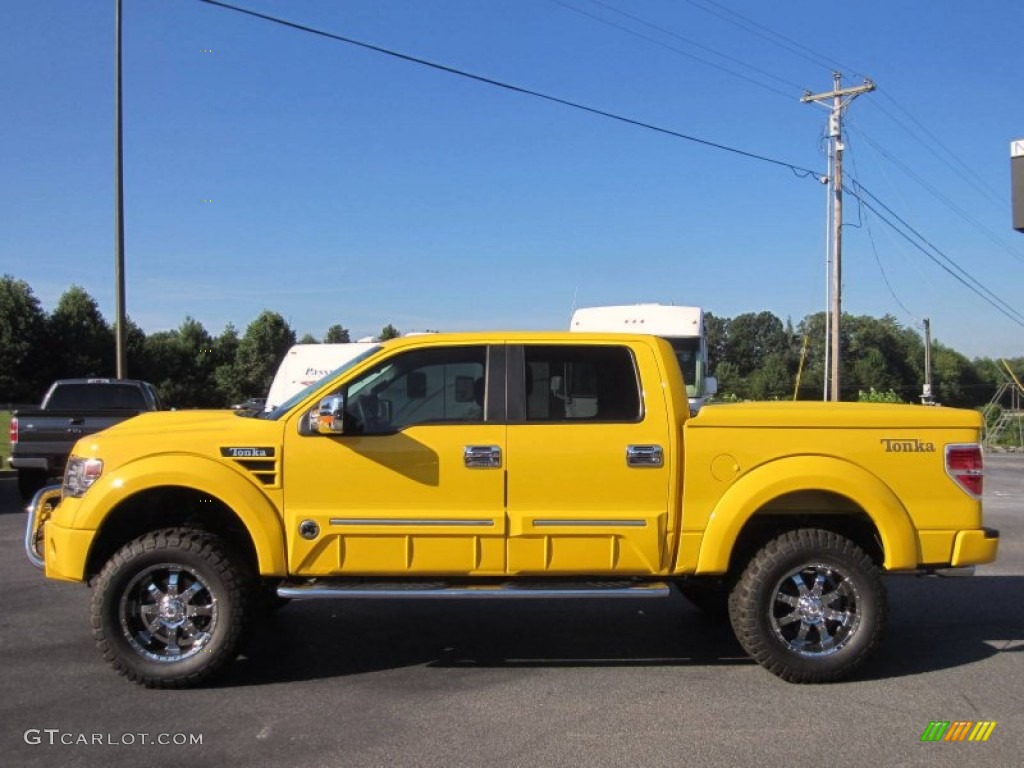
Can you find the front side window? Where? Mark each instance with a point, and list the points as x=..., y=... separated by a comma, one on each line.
x=433, y=385
x=581, y=383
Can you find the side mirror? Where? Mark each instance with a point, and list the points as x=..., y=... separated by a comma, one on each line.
x=710, y=386
x=330, y=417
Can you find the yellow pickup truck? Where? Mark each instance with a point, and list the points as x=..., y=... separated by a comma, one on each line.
x=492, y=465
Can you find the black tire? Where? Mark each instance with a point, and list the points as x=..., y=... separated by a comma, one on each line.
x=810, y=607
x=711, y=599
x=168, y=609
x=30, y=481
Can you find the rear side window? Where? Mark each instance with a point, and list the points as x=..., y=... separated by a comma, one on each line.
x=581, y=383
x=96, y=397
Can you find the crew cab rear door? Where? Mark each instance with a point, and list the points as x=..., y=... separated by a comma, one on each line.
x=588, y=464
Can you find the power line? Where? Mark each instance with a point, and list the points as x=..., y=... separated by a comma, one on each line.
x=688, y=41
x=967, y=173
x=874, y=248
x=938, y=195
x=797, y=169
x=935, y=254
x=776, y=38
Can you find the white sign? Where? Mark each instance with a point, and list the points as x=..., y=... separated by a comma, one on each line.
x=1017, y=148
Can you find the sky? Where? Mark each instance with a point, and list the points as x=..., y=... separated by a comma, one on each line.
x=270, y=168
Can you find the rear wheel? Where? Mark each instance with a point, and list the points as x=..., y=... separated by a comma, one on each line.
x=810, y=606
x=168, y=609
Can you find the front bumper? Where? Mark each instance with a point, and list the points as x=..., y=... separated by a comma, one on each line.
x=39, y=511
x=61, y=551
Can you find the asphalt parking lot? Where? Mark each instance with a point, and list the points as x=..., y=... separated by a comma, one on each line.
x=589, y=683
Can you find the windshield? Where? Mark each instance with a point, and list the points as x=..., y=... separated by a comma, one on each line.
x=688, y=353
x=294, y=400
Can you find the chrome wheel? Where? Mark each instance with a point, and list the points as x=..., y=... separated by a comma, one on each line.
x=809, y=606
x=167, y=613
x=169, y=608
x=815, y=610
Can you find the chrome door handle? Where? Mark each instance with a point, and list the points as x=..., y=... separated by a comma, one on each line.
x=645, y=455
x=482, y=456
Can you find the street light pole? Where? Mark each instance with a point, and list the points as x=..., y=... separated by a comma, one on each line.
x=120, y=327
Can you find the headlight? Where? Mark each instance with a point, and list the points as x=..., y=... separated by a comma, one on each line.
x=80, y=474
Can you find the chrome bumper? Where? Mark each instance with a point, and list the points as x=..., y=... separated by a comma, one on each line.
x=39, y=511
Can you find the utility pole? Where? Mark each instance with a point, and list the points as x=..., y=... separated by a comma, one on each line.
x=120, y=326
x=840, y=97
x=926, y=395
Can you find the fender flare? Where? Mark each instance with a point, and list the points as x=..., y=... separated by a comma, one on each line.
x=769, y=481
x=246, y=501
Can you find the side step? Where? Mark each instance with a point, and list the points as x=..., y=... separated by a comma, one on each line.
x=476, y=590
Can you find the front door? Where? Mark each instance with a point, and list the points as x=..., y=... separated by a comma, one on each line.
x=415, y=484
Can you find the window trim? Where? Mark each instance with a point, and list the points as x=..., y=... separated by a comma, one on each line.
x=516, y=360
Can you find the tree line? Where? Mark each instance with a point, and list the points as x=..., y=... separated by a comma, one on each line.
x=758, y=357
x=755, y=356
x=190, y=367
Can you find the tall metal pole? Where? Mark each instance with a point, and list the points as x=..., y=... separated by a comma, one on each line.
x=926, y=395
x=839, y=97
x=837, y=236
x=120, y=326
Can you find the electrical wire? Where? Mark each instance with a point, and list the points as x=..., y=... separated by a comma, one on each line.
x=968, y=174
x=796, y=169
x=765, y=33
x=680, y=51
x=935, y=193
x=945, y=262
x=871, y=239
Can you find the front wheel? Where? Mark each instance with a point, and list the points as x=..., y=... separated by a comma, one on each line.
x=169, y=607
x=810, y=606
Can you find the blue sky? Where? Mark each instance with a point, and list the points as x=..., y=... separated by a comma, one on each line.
x=349, y=187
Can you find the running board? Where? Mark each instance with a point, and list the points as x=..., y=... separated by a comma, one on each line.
x=426, y=590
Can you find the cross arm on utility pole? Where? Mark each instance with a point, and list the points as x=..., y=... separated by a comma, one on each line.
x=837, y=100
x=856, y=90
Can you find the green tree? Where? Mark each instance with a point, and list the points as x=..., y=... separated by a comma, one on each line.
x=80, y=339
x=227, y=377
x=772, y=381
x=717, y=330
x=308, y=338
x=265, y=343
x=389, y=332
x=752, y=338
x=337, y=334
x=22, y=333
x=957, y=381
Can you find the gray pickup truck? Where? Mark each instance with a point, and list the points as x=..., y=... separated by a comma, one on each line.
x=42, y=438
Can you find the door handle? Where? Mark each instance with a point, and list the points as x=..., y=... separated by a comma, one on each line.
x=645, y=455
x=482, y=456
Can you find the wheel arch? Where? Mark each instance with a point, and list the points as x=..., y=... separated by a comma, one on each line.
x=160, y=492
x=808, y=491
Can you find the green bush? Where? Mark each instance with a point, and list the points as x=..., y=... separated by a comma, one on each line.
x=878, y=396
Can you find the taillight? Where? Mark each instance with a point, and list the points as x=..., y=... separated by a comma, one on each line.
x=964, y=464
x=14, y=430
